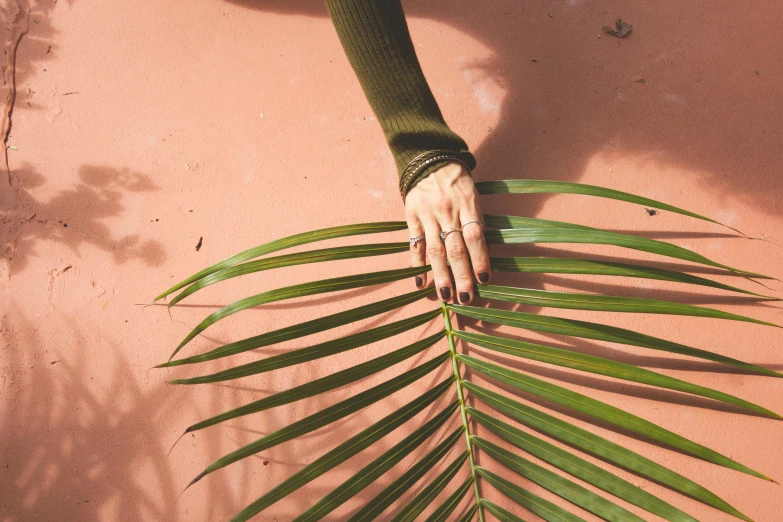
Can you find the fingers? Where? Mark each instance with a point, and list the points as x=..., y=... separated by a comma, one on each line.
x=473, y=235
x=418, y=252
x=436, y=253
x=458, y=257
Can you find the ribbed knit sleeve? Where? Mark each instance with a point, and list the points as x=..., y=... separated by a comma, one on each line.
x=375, y=37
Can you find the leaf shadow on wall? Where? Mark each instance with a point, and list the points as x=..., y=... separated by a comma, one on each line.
x=78, y=216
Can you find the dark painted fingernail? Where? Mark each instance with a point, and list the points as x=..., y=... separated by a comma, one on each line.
x=464, y=297
x=483, y=277
x=445, y=293
x=419, y=282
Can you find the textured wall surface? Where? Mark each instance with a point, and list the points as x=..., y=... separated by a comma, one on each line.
x=140, y=127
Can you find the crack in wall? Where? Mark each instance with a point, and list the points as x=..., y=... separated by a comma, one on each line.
x=16, y=19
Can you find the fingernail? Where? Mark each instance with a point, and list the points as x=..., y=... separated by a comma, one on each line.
x=464, y=297
x=445, y=293
x=483, y=277
x=419, y=282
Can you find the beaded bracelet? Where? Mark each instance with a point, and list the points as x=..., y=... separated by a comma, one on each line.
x=409, y=175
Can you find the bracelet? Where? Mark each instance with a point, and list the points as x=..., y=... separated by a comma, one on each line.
x=418, y=163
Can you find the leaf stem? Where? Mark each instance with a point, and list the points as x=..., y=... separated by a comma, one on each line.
x=460, y=396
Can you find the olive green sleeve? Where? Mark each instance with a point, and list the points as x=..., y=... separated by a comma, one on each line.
x=375, y=37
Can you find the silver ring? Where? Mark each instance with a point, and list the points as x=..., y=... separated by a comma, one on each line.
x=447, y=232
x=473, y=221
x=415, y=240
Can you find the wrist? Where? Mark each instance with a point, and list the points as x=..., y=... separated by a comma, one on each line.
x=428, y=162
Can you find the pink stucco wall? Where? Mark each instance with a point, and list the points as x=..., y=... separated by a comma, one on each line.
x=144, y=126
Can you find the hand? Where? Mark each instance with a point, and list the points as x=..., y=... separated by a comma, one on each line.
x=445, y=200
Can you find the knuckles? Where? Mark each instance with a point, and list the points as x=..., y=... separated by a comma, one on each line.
x=473, y=234
x=435, y=250
x=456, y=252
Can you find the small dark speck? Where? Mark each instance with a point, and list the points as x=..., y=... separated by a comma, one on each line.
x=55, y=362
x=190, y=211
x=65, y=225
x=266, y=463
x=200, y=242
x=156, y=219
x=651, y=211
x=534, y=61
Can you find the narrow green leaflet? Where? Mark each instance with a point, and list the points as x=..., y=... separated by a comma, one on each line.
x=603, y=237
x=558, y=485
x=288, y=242
x=498, y=221
x=540, y=506
x=448, y=506
x=326, y=416
x=301, y=258
x=587, y=330
x=313, y=288
x=317, y=351
x=347, y=449
x=599, y=446
x=601, y=410
x=420, y=502
x=386, y=498
x=561, y=265
x=306, y=328
x=535, y=186
x=375, y=469
x=500, y=513
x=323, y=384
x=604, y=303
x=602, y=366
x=469, y=514
x=580, y=468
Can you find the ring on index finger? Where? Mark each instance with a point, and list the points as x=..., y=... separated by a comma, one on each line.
x=471, y=221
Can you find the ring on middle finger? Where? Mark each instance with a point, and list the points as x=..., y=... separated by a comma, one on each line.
x=447, y=232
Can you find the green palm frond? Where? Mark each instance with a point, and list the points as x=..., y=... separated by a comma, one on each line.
x=445, y=440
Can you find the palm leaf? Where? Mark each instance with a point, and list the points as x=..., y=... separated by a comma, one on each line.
x=305, y=289
x=558, y=485
x=599, y=446
x=314, y=352
x=290, y=242
x=603, y=303
x=603, y=366
x=348, y=449
x=540, y=506
x=535, y=186
x=587, y=330
x=323, y=384
x=528, y=235
x=580, y=468
x=512, y=230
x=325, y=417
x=448, y=506
x=428, y=494
x=303, y=329
x=558, y=265
x=313, y=256
x=602, y=411
x=373, y=509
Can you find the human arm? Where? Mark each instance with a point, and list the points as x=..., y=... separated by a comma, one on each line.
x=438, y=190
